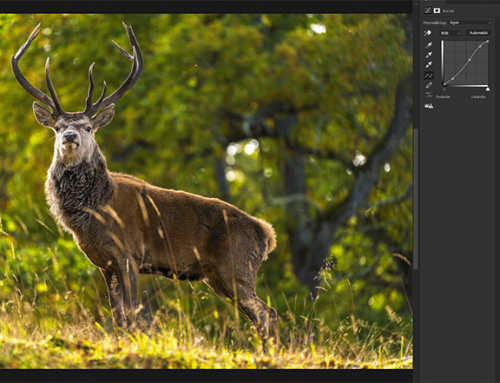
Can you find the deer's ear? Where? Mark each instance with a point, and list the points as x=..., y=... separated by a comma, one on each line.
x=43, y=116
x=104, y=117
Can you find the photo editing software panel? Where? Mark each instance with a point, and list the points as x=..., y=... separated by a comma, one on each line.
x=457, y=61
x=456, y=56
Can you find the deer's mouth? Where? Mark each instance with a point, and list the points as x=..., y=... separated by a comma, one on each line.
x=70, y=146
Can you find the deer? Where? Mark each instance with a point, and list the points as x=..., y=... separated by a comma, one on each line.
x=126, y=226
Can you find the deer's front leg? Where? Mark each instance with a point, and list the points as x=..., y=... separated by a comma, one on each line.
x=128, y=276
x=115, y=293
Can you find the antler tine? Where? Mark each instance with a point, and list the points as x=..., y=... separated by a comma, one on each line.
x=91, y=108
x=127, y=55
x=104, y=87
x=52, y=91
x=132, y=78
x=39, y=95
x=88, y=100
x=26, y=45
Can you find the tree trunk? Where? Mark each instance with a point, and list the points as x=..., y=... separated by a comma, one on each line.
x=297, y=212
x=220, y=170
x=311, y=238
x=317, y=253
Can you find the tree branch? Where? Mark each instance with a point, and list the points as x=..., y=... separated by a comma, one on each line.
x=285, y=201
x=255, y=126
x=324, y=154
x=367, y=174
x=391, y=200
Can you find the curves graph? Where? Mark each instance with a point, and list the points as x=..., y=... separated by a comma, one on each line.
x=464, y=63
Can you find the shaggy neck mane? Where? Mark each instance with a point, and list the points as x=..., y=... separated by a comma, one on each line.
x=74, y=191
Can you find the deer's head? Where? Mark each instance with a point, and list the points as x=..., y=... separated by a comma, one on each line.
x=75, y=131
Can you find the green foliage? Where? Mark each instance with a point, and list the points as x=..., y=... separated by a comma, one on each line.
x=172, y=130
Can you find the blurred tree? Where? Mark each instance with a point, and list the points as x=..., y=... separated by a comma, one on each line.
x=328, y=95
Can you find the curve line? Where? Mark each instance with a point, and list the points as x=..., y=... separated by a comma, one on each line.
x=467, y=62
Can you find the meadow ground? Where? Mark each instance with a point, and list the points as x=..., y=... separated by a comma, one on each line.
x=88, y=345
x=50, y=319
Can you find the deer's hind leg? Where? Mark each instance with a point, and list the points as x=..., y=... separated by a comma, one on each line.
x=263, y=317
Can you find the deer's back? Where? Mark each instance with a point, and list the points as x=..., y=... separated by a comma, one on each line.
x=159, y=224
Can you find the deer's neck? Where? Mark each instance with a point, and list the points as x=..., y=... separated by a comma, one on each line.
x=73, y=192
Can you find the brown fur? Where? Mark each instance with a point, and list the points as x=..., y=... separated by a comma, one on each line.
x=126, y=226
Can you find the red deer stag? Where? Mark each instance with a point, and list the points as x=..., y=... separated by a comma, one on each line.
x=126, y=226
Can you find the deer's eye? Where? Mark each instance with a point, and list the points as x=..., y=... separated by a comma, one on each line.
x=57, y=128
x=88, y=128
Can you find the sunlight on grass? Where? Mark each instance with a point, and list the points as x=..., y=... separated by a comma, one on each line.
x=55, y=319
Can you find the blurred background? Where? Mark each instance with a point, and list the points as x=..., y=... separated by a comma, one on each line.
x=301, y=120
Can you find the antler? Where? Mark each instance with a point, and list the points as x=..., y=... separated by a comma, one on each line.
x=133, y=77
x=52, y=103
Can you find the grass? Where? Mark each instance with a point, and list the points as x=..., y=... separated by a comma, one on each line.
x=91, y=346
x=55, y=319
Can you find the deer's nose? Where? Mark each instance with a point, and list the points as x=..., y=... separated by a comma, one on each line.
x=70, y=136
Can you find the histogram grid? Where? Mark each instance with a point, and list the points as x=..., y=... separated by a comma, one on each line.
x=465, y=63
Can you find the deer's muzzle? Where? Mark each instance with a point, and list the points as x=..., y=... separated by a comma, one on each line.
x=70, y=141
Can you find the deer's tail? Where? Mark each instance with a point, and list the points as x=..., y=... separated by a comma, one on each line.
x=271, y=236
